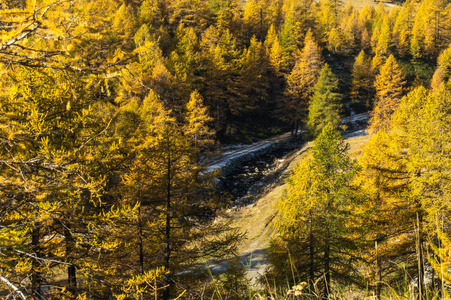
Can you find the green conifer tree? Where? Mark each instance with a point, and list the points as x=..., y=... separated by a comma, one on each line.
x=325, y=104
x=316, y=217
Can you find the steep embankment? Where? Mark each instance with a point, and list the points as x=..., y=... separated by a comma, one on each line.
x=255, y=220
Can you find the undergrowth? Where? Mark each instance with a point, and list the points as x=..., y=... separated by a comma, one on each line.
x=233, y=285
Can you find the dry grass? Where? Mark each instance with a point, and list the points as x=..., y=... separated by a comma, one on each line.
x=255, y=221
x=356, y=145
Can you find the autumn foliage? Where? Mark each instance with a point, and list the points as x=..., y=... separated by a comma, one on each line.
x=109, y=108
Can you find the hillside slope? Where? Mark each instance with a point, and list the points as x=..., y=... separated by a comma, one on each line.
x=256, y=220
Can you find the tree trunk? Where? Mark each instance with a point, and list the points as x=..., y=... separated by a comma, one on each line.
x=378, y=274
x=35, y=273
x=167, y=252
x=421, y=291
x=378, y=260
x=327, y=265
x=71, y=270
x=141, y=246
x=312, y=261
x=261, y=24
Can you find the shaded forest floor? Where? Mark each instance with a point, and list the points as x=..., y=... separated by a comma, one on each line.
x=256, y=220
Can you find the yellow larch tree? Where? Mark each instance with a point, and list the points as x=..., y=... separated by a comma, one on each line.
x=393, y=219
x=362, y=77
x=428, y=155
x=444, y=64
x=185, y=62
x=402, y=27
x=432, y=153
x=316, y=218
x=299, y=18
x=176, y=203
x=375, y=39
x=257, y=17
x=406, y=171
x=187, y=13
x=384, y=38
x=197, y=120
x=227, y=14
x=438, y=78
x=430, y=28
x=389, y=86
x=274, y=50
x=335, y=41
x=276, y=57
x=254, y=81
x=56, y=155
x=365, y=41
x=327, y=15
x=365, y=17
x=301, y=81
x=350, y=28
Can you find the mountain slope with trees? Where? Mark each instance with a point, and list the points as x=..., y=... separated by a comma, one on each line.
x=108, y=107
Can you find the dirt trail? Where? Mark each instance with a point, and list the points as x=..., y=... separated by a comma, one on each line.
x=220, y=161
x=226, y=157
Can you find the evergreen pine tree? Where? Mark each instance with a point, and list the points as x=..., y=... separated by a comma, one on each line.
x=287, y=40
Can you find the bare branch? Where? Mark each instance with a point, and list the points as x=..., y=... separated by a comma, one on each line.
x=45, y=63
x=55, y=39
x=97, y=135
x=24, y=34
x=36, y=162
x=13, y=287
x=42, y=259
x=45, y=52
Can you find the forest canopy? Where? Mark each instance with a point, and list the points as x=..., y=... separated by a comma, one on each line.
x=107, y=107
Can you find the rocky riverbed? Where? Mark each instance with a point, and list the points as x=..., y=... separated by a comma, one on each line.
x=246, y=182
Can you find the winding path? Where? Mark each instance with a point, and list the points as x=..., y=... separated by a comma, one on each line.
x=228, y=157
x=256, y=219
